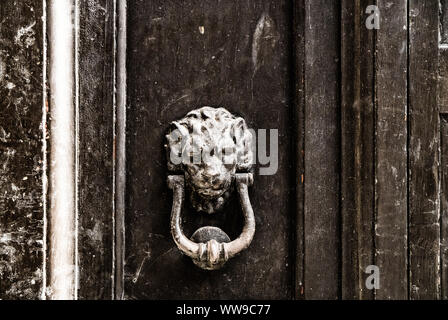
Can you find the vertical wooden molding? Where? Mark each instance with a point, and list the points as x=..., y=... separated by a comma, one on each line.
x=43, y=294
x=391, y=151
x=120, y=148
x=95, y=174
x=357, y=148
x=443, y=79
x=443, y=25
x=76, y=98
x=322, y=150
x=424, y=188
x=442, y=101
x=443, y=105
x=62, y=212
x=299, y=103
x=444, y=206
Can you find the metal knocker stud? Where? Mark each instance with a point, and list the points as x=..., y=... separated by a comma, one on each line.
x=213, y=149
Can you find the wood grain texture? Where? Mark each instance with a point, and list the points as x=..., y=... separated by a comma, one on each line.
x=443, y=58
x=424, y=226
x=96, y=143
x=337, y=92
x=185, y=56
x=443, y=21
x=443, y=105
x=21, y=155
x=298, y=65
x=358, y=143
x=443, y=80
x=391, y=151
x=120, y=145
x=444, y=207
x=322, y=147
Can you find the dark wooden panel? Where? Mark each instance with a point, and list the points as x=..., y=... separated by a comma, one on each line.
x=358, y=132
x=424, y=227
x=184, y=56
x=444, y=207
x=443, y=57
x=443, y=80
x=443, y=21
x=391, y=151
x=95, y=176
x=21, y=156
x=299, y=120
x=322, y=149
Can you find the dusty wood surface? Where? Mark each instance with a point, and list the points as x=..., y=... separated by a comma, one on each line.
x=443, y=105
x=299, y=148
x=391, y=151
x=21, y=157
x=424, y=226
x=322, y=145
x=358, y=144
x=444, y=207
x=443, y=21
x=443, y=80
x=96, y=143
x=180, y=57
x=352, y=138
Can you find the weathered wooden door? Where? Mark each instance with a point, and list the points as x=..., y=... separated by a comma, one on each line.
x=241, y=56
x=205, y=53
x=360, y=152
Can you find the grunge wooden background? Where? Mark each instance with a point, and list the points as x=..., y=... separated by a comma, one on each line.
x=363, y=146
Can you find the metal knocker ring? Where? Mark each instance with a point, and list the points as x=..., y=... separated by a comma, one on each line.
x=214, y=248
x=210, y=145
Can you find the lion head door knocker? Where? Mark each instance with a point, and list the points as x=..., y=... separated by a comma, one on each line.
x=213, y=150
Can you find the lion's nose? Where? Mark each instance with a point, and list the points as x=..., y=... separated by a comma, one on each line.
x=210, y=174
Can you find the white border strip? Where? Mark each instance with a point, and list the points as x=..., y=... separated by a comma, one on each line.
x=62, y=153
x=44, y=149
x=114, y=101
x=76, y=146
x=120, y=138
